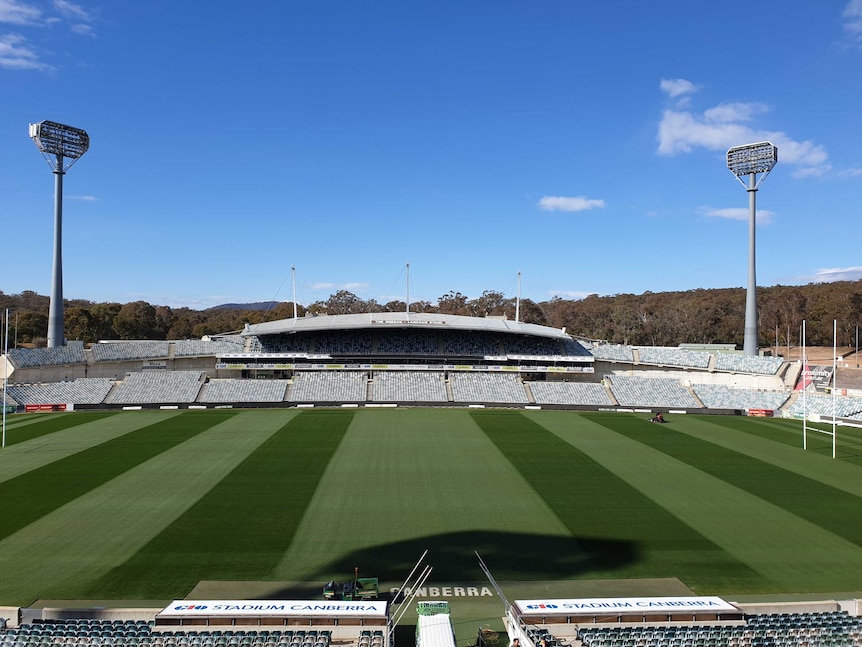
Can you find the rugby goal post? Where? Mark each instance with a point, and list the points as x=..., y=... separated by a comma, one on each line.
x=816, y=417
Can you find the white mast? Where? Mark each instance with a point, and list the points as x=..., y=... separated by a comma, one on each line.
x=518, y=300
x=805, y=374
x=408, y=289
x=293, y=288
x=834, y=379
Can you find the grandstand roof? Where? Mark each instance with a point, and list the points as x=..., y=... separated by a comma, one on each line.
x=400, y=320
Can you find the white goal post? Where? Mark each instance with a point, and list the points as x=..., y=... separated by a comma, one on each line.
x=817, y=417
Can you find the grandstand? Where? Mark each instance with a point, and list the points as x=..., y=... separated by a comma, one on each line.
x=683, y=622
x=398, y=359
x=213, y=623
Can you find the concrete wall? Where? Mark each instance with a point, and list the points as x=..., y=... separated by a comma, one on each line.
x=10, y=615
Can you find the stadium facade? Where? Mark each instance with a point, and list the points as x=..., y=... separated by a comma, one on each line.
x=402, y=359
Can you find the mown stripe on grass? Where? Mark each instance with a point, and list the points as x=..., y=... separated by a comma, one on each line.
x=242, y=526
x=848, y=444
x=34, y=494
x=53, y=423
x=605, y=513
x=828, y=507
x=765, y=440
x=38, y=452
x=59, y=555
x=407, y=480
x=791, y=553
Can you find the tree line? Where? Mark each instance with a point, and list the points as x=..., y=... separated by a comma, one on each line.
x=704, y=316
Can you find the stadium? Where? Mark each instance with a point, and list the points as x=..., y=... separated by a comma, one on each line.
x=387, y=359
x=145, y=483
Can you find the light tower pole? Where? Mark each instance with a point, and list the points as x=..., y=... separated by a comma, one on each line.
x=751, y=160
x=57, y=144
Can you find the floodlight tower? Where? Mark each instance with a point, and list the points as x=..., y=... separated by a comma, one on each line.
x=751, y=160
x=63, y=143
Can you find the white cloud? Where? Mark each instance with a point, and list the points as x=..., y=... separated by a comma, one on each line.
x=79, y=17
x=17, y=54
x=677, y=87
x=725, y=125
x=832, y=274
x=764, y=216
x=569, y=294
x=72, y=11
x=730, y=112
x=84, y=198
x=19, y=13
x=850, y=172
x=853, y=19
x=83, y=30
x=576, y=203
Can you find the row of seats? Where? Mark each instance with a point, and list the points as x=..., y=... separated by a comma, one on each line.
x=670, y=356
x=612, y=352
x=747, y=364
x=664, y=393
x=58, y=356
x=487, y=387
x=409, y=386
x=573, y=393
x=457, y=343
x=207, y=348
x=773, y=630
x=329, y=386
x=83, y=390
x=407, y=342
x=119, y=351
x=140, y=633
x=398, y=342
x=825, y=405
x=226, y=391
x=720, y=396
x=680, y=357
x=156, y=386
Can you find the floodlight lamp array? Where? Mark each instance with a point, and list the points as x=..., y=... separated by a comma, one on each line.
x=56, y=139
x=752, y=158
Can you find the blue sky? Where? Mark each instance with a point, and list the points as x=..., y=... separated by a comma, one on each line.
x=579, y=143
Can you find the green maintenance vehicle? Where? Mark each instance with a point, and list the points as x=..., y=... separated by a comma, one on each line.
x=359, y=588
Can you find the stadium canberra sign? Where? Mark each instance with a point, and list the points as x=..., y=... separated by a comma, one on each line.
x=682, y=604
x=443, y=591
x=303, y=608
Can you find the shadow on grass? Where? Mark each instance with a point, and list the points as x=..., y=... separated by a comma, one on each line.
x=509, y=556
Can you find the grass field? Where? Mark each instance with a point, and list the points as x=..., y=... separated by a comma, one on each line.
x=147, y=505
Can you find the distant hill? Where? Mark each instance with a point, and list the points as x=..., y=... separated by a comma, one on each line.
x=260, y=305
